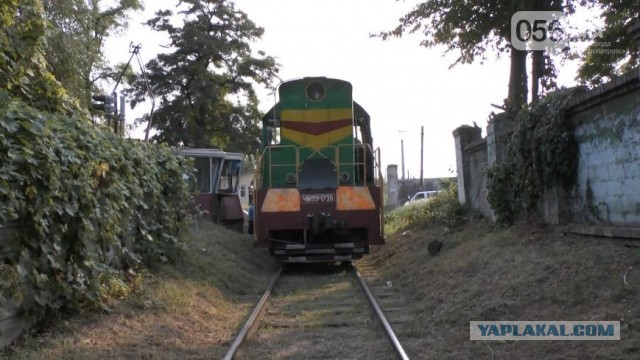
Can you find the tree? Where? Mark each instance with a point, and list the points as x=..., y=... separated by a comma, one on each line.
x=601, y=63
x=475, y=27
x=74, y=42
x=23, y=68
x=205, y=86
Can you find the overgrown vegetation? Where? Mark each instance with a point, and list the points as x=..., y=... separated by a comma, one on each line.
x=23, y=67
x=186, y=310
x=542, y=153
x=491, y=274
x=91, y=208
x=444, y=209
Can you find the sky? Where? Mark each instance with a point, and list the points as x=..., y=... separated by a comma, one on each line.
x=404, y=87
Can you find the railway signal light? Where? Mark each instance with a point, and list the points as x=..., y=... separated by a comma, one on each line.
x=106, y=103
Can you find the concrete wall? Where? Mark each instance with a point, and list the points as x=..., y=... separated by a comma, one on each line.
x=392, y=186
x=607, y=190
x=477, y=156
x=607, y=123
x=471, y=165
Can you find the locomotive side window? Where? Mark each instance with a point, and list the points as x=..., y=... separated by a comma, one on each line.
x=272, y=132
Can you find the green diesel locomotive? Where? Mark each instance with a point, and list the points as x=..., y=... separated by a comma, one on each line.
x=318, y=188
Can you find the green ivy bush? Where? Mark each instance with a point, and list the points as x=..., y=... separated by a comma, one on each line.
x=24, y=71
x=91, y=207
x=542, y=153
x=444, y=209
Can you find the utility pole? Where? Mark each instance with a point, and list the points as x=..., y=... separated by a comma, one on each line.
x=121, y=117
x=402, y=152
x=421, y=157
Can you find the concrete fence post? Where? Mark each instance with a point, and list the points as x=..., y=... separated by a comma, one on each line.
x=463, y=136
x=499, y=131
x=392, y=186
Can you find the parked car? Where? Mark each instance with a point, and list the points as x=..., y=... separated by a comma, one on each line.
x=421, y=195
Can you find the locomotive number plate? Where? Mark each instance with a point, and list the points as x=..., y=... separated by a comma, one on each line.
x=317, y=198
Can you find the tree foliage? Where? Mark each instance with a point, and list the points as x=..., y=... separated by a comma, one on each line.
x=600, y=63
x=74, y=42
x=205, y=83
x=23, y=68
x=478, y=28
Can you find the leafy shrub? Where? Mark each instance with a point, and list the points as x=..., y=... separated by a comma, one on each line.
x=444, y=209
x=90, y=206
x=542, y=153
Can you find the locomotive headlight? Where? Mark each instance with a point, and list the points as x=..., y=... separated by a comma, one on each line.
x=344, y=176
x=315, y=91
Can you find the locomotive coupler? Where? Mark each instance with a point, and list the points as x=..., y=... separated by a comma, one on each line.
x=319, y=223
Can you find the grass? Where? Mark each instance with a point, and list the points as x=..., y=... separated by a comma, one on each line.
x=521, y=273
x=190, y=309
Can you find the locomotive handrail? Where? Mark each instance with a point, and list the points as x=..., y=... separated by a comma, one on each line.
x=354, y=163
x=366, y=150
x=377, y=161
x=267, y=152
x=380, y=184
x=317, y=151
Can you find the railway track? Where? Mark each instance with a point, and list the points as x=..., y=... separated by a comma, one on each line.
x=317, y=313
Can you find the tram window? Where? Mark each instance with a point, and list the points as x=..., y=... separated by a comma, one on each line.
x=229, y=176
x=202, y=183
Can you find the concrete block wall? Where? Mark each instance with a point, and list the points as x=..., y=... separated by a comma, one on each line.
x=471, y=165
x=499, y=131
x=463, y=136
x=478, y=162
x=607, y=190
x=607, y=122
x=392, y=186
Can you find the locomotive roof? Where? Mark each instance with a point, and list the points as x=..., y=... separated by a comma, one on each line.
x=211, y=153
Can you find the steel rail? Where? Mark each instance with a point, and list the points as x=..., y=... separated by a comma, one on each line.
x=251, y=322
x=387, y=328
